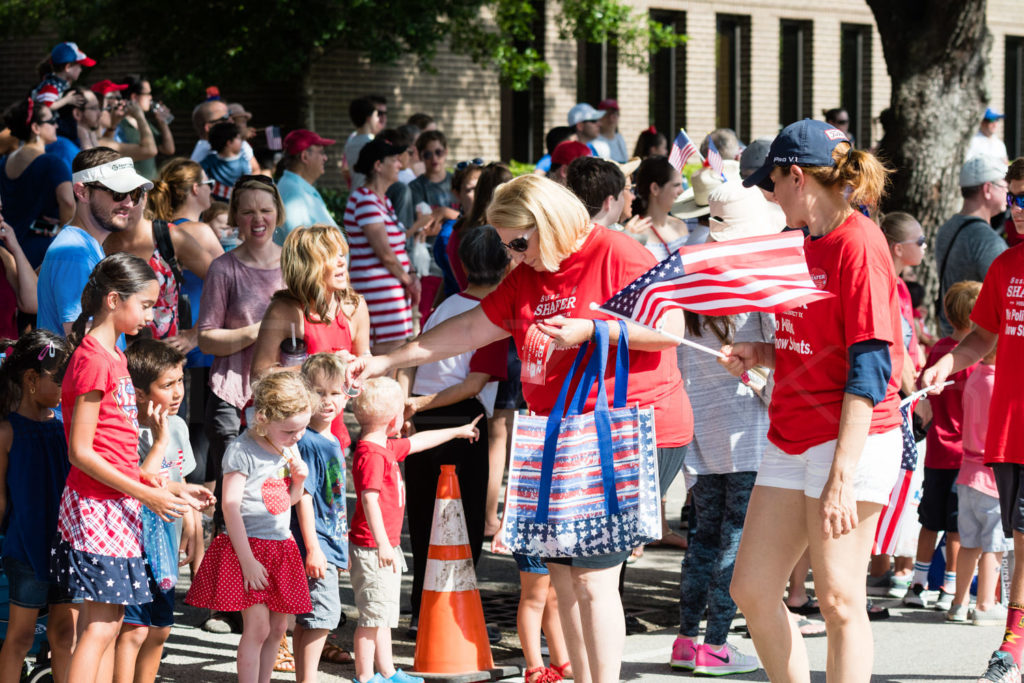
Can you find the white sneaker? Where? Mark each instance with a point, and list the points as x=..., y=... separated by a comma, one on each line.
x=726, y=661
x=915, y=597
x=994, y=615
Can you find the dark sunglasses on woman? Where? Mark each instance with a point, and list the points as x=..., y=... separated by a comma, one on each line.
x=476, y=163
x=519, y=244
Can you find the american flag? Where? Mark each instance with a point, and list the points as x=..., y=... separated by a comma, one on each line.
x=682, y=149
x=896, y=509
x=766, y=274
x=715, y=159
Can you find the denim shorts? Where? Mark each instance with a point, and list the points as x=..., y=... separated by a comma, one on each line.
x=159, y=613
x=326, y=599
x=28, y=591
x=530, y=564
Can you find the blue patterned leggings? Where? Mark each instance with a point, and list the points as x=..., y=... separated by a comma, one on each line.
x=719, y=506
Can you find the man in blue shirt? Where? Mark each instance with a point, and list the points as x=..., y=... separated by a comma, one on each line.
x=106, y=189
x=304, y=158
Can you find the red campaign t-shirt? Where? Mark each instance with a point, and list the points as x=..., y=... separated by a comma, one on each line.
x=376, y=468
x=607, y=262
x=1000, y=310
x=812, y=342
x=944, y=446
x=117, y=433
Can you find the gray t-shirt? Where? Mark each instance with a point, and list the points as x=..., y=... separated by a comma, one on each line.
x=266, y=499
x=974, y=250
x=352, y=148
x=179, y=461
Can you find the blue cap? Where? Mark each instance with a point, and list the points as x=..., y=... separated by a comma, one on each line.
x=992, y=115
x=804, y=143
x=68, y=53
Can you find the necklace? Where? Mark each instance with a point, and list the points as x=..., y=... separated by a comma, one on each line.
x=273, y=446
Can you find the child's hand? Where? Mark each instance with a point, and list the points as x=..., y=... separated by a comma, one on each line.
x=254, y=575
x=498, y=546
x=156, y=419
x=469, y=431
x=298, y=468
x=316, y=563
x=386, y=557
x=198, y=496
x=154, y=479
x=165, y=504
x=188, y=548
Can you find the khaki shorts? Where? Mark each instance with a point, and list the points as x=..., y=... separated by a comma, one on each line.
x=377, y=589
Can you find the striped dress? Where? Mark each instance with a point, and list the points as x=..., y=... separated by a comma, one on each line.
x=390, y=311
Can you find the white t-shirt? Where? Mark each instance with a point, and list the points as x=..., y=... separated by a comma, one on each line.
x=617, y=145
x=434, y=377
x=983, y=145
x=203, y=149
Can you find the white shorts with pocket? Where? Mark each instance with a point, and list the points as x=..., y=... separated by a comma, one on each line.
x=876, y=473
x=979, y=520
x=377, y=589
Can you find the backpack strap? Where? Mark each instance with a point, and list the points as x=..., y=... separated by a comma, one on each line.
x=165, y=245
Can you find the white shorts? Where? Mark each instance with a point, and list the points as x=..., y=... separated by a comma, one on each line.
x=876, y=473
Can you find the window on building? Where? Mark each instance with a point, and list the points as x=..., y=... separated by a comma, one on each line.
x=668, y=78
x=522, y=112
x=732, y=66
x=855, y=80
x=597, y=75
x=795, y=71
x=1013, y=124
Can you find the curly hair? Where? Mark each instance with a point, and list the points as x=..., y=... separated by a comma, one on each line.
x=307, y=255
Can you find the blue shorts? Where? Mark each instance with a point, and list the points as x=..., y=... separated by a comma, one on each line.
x=530, y=564
x=326, y=600
x=26, y=590
x=159, y=613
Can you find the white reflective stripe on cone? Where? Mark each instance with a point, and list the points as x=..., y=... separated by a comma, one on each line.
x=447, y=576
x=449, y=524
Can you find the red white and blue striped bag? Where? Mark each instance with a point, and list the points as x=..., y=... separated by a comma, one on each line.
x=584, y=484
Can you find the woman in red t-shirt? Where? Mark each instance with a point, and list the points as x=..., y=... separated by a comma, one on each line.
x=835, y=423
x=563, y=263
x=319, y=307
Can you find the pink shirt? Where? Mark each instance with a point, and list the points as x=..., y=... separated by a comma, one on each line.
x=235, y=295
x=977, y=399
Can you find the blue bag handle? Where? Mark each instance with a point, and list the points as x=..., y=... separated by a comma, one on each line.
x=594, y=371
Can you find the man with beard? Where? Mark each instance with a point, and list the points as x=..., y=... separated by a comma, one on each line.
x=106, y=187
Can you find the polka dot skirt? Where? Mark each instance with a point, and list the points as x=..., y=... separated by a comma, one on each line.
x=219, y=584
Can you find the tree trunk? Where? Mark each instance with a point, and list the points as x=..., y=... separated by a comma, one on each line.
x=937, y=54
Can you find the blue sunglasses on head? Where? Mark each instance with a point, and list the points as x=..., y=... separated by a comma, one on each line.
x=1015, y=200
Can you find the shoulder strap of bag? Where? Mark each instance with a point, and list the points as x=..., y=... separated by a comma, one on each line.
x=165, y=245
x=949, y=249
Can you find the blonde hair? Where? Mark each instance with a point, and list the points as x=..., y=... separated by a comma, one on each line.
x=897, y=226
x=532, y=201
x=324, y=364
x=281, y=395
x=249, y=185
x=306, y=256
x=382, y=398
x=959, y=302
x=862, y=172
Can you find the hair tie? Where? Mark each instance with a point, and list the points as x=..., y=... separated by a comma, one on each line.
x=31, y=110
x=48, y=349
x=652, y=130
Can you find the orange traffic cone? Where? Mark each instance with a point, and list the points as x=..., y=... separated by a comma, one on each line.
x=452, y=636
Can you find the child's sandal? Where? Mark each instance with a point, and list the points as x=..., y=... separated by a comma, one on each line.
x=541, y=674
x=285, y=662
x=564, y=670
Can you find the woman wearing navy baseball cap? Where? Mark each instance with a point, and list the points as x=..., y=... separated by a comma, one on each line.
x=835, y=439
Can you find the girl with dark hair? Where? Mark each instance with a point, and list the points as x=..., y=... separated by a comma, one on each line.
x=98, y=555
x=35, y=186
x=491, y=176
x=658, y=185
x=452, y=392
x=464, y=183
x=33, y=468
x=650, y=143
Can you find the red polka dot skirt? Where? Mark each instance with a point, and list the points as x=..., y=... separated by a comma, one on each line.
x=219, y=585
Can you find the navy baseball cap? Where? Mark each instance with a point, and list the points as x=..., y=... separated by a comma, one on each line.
x=804, y=143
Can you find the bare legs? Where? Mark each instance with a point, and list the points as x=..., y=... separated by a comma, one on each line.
x=592, y=620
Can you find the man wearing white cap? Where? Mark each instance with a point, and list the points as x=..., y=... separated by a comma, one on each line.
x=106, y=187
x=583, y=119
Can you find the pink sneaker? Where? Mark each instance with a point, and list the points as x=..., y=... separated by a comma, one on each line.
x=727, y=660
x=684, y=653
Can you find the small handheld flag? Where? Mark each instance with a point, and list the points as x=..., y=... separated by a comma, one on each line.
x=682, y=149
x=715, y=159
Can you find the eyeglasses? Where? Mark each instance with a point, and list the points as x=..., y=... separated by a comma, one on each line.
x=1015, y=200
x=920, y=241
x=519, y=244
x=205, y=182
x=430, y=154
x=842, y=122
x=135, y=195
x=463, y=165
x=261, y=179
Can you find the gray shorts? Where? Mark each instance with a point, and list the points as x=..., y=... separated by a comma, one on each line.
x=326, y=599
x=378, y=589
x=980, y=521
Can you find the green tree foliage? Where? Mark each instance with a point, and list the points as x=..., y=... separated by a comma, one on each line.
x=251, y=41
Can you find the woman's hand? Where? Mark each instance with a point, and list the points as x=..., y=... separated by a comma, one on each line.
x=740, y=357
x=426, y=225
x=498, y=546
x=185, y=340
x=838, y=506
x=937, y=374
x=8, y=238
x=638, y=224
x=412, y=289
x=364, y=368
x=567, y=333
x=254, y=575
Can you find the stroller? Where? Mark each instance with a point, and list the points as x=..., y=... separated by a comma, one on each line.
x=37, y=667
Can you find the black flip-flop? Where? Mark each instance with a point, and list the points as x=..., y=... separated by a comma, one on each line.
x=809, y=607
x=876, y=613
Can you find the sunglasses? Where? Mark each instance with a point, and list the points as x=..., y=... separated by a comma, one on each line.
x=223, y=119
x=920, y=241
x=52, y=121
x=519, y=244
x=1015, y=200
x=476, y=163
x=430, y=154
x=135, y=195
x=842, y=122
x=261, y=179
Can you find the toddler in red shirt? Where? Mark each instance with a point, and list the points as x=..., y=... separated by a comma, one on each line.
x=376, y=561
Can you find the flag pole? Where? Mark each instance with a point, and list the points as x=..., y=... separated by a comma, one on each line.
x=668, y=335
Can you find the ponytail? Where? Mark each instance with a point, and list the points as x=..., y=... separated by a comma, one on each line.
x=159, y=200
x=39, y=350
x=897, y=226
x=122, y=273
x=862, y=172
x=177, y=177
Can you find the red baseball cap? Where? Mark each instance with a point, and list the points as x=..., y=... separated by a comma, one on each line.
x=300, y=140
x=107, y=86
x=567, y=151
x=608, y=105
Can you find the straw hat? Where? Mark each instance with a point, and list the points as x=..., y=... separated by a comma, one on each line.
x=738, y=212
x=694, y=201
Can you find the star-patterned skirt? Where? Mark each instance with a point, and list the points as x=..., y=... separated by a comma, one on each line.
x=97, y=554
